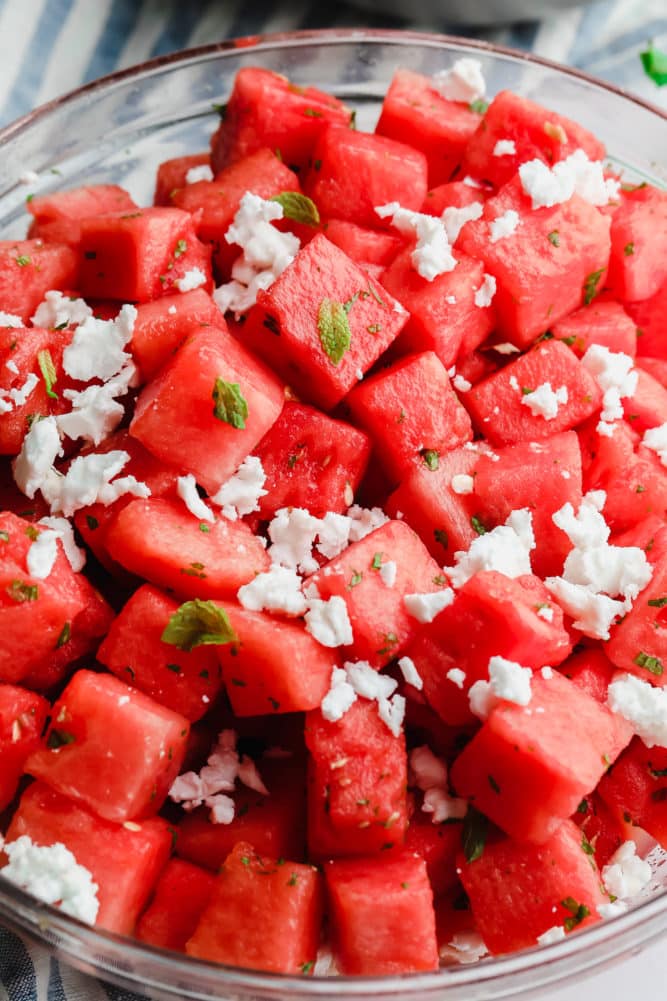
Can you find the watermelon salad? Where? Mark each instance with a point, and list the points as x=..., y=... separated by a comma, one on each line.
x=333, y=543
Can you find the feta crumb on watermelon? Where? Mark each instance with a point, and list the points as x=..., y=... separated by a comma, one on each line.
x=192, y=279
x=469, y=947
x=358, y=678
x=364, y=521
x=339, y=698
x=202, y=172
x=462, y=483
x=388, y=572
x=544, y=401
x=486, y=291
x=549, y=186
x=241, y=493
x=276, y=590
x=368, y=682
x=432, y=255
x=455, y=218
x=461, y=384
x=42, y=554
x=63, y=529
x=411, y=675
x=392, y=713
x=58, y=310
x=642, y=705
x=52, y=874
x=505, y=549
x=463, y=82
x=96, y=349
x=40, y=449
x=333, y=534
x=551, y=935
x=656, y=440
x=615, y=375
x=186, y=488
x=429, y=774
x=456, y=676
x=425, y=607
x=508, y=681
x=17, y=396
x=89, y=481
x=499, y=229
x=10, y=320
x=95, y=410
x=505, y=147
x=292, y=533
x=626, y=874
x=328, y=622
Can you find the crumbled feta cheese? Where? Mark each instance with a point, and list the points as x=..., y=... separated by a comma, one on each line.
x=456, y=676
x=339, y=698
x=506, y=348
x=432, y=255
x=9, y=320
x=276, y=590
x=615, y=375
x=505, y=549
x=388, y=573
x=505, y=147
x=328, y=622
x=41, y=447
x=626, y=874
x=333, y=534
x=411, y=675
x=63, y=529
x=292, y=533
x=221, y=808
x=241, y=493
x=17, y=396
x=450, y=300
x=546, y=671
x=427, y=771
x=612, y=910
x=96, y=349
x=468, y=946
x=192, y=279
x=266, y=253
x=462, y=483
x=656, y=439
x=95, y=411
x=463, y=82
x=470, y=182
x=612, y=570
x=486, y=291
x=365, y=521
x=88, y=481
x=425, y=607
x=508, y=681
x=593, y=613
x=186, y=488
x=544, y=401
x=443, y=806
x=460, y=384
x=551, y=935
x=368, y=682
x=42, y=554
x=587, y=528
x=58, y=310
x=455, y=218
x=546, y=612
x=642, y=705
x=52, y=874
x=500, y=228
x=574, y=175
x=392, y=713
x=202, y=172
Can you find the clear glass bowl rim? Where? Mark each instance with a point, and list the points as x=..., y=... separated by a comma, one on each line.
x=69, y=936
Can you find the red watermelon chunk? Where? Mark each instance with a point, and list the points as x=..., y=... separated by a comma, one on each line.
x=285, y=328
x=638, y=644
x=31, y=268
x=181, y=894
x=172, y=174
x=180, y=420
x=57, y=215
x=262, y=914
x=22, y=718
x=162, y=325
x=638, y=265
x=602, y=322
x=498, y=405
x=520, y=891
x=111, y=748
x=642, y=489
x=528, y=769
x=636, y=788
x=362, y=244
x=649, y=316
x=357, y=784
x=123, y=860
x=647, y=407
x=382, y=915
x=438, y=845
x=413, y=112
x=591, y=670
x=411, y=413
x=604, y=831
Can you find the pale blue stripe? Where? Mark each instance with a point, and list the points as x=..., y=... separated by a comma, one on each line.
x=26, y=86
x=120, y=23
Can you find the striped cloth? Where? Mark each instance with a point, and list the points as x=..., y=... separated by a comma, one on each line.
x=48, y=47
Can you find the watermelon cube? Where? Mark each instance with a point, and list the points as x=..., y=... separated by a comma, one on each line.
x=603, y=322
x=603, y=828
x=636, y=788
x=638, y=264
x=57, y=216
x=181, y=894
x=362, y=244
x=22, y=718
x=638, y=644
x=172, y=174
x=29, y=269
x=163, y=324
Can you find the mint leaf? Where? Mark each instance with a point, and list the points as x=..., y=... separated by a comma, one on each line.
x=334, y=329
x=298, y=207
x=475, y=828
x=230, y=406
x=655, y=64
x=591, y=286
x=198, y=623
x=19, y=591
x=48, y=370
x=652, y=664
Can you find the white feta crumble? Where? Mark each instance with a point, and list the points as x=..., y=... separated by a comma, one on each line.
x=192, y=279
x=551, y=935
x=58, y=311
x=461, y=384
x=469, y=947
x=508, y=681
x=388, y=573
x=339, y=698
x=52, y=874
x=202, y=172
x=443, y=807
x=96, y=349
x=63, y=529
x=612, y=910
x=364, y=521
x=547, y=672
x=656, y=440
x=432, y=255
x=88, y=481
x=241, y=493
x=9, y=320
x=186, y=488
x=328, y=622
x=42, y=554
x=486, y=291
x=368, y=682
x=593, y=613
x=392, y=713
x=642, y=705
x=544, y=401
x=615, y=375
x=450, y=300
x=461, y=483
x=276, y=590
x=411, y=675
x=425, y=607
x=455, y=218
x=292, y=533
x=626, y=874
x=17, y=396
x=506, y=348
x=266, y=253
x=546, y=612
x=575, y=175
x=463, y=82
x=333, y=534
x=505, y=147
x=429, y=774
x=41, y=447
x=499, y=229
x=95, y=411
x=505, y=549
x=456, y=676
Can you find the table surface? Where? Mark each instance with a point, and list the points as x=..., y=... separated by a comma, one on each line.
x=47, y=47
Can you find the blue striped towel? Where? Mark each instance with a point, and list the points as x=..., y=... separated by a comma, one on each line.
x=48, y=47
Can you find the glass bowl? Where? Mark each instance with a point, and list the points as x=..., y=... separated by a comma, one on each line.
x=117, y=130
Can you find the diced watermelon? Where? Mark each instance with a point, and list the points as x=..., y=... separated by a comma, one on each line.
x=638, y=644
x=454, y=194
x=382, y=915
x=22, y=718
x=649, y=316
x=162, y=325
x=29, y=269
x=361, y=244
x=262, y=914
x=636, y=788
x=414, y=112
x=603, y=830
x=181, y=894
x=602, y=322
x=172, y=174
x=591, y=670
x=124, y=860
x=647, y=407
x=528, y=769
x=438, y=845
x=357, y=782
x=638, y=265
x=58, y=215
x=640, y=492
x=519, y=891
x=111, y=748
